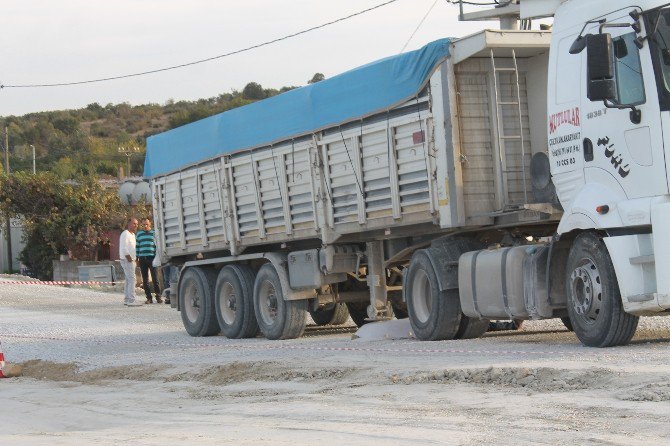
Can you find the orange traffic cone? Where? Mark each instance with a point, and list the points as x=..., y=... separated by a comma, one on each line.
x=8, y=370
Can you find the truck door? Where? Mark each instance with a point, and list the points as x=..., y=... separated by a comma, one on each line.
x=616, y=144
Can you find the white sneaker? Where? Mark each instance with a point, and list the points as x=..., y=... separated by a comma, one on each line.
x=133, y=304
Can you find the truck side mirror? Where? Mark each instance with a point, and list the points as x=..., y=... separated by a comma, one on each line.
x=600, y=64
x=578, y=45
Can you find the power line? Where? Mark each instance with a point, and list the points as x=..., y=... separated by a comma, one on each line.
x=196, y=62
x=493, y=3
x=418, y=26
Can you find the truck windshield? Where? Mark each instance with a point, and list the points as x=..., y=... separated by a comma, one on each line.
x=658, y=23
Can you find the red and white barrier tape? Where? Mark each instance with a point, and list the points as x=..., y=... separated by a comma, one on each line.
x=276, y=346
x=2, y=362
x=59, y=282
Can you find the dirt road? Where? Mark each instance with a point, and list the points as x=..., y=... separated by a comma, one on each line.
x=97, y=372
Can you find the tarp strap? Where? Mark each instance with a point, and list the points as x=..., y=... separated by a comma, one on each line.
x=351, y=162
x=293, y=160
x=388, y=141
x=279, y=188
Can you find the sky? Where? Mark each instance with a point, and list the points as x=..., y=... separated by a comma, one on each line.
x=49, y=41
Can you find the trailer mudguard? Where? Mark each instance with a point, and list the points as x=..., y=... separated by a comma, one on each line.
x=280, y=262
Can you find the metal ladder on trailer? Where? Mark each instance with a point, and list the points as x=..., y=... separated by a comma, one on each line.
x=503, y=138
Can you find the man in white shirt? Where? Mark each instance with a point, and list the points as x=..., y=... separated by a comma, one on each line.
x=127, y=257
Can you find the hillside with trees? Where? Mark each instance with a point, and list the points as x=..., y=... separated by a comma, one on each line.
x=86, y=141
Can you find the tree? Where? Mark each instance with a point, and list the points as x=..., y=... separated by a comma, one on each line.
x=59, y=216
x=78, y=134
x=253, y=90
x=318, y=77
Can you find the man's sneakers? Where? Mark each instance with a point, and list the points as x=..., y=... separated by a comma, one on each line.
x=159, y=300
x=132, y=304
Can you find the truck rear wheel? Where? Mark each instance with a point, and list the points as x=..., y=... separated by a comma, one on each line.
x=358, y=312
x=234, y=302
x=196, y=302
x=594, y=299
x=399, y=306
x=433, y=314
x=337, y=314
x=276, y=317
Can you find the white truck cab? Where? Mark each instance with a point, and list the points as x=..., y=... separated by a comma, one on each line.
x=608, y=113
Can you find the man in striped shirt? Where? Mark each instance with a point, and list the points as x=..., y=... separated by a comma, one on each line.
x=146, y=251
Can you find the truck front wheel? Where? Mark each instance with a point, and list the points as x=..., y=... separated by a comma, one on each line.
x=277, y=318
x=471, y=328
x=433, y=314
x=196, y=302
x=234, y=302
x=594, y=299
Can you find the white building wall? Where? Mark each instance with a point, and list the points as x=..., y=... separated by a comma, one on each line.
x=17, y=246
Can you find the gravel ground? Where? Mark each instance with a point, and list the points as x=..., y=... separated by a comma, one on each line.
x=97, y=371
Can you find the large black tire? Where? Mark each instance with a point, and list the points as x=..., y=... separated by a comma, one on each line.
x=594, y=299
x=358, y=312
x=399, y=306
x=234, y=302
x=277, y=318
x=433, y=314
x=196, y=302
x=470, y=328
x=336, y=314
x=568, y=324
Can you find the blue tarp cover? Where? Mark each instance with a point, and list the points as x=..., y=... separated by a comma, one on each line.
x=355, y=94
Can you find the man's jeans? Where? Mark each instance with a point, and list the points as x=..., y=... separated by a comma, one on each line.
x=129, y=272
x=146, y=265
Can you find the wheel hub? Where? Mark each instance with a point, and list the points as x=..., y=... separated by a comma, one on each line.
x=268, y=303
x=586, y=290
x=192, y=302
x=195, y=302
x=422, y=297
x=272, y=305
x=228, y=303
x=231, y=304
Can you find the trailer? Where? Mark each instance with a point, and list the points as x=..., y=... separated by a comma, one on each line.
x=505, y=175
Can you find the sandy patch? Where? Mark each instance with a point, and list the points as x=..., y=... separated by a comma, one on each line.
x=54, y=371
x=541, y=379
x=657, y=392
x=237, y=372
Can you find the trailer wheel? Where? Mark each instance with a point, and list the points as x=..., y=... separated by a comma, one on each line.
x=277, y=318
x=234, y=302
x=196, y=302
x=594, y=299
x=358, y=312
x=433, y=314
x=336, y=314
x=471, y=328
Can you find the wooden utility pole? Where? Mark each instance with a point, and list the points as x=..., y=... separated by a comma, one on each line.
x=6, y=151
x=8, y=226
